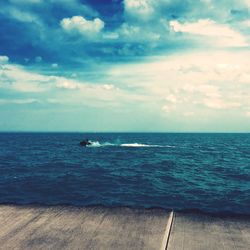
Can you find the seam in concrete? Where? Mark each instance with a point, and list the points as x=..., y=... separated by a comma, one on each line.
x=166, y=237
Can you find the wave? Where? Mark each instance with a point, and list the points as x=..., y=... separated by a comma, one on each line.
x=135, y=145
x=96, y=144
x=108, y=144
x=145, y=145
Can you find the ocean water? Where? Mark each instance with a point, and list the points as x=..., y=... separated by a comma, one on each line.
x=207, y=172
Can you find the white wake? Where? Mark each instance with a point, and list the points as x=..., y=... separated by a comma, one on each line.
x=95, y=144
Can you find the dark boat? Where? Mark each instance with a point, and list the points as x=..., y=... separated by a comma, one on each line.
x=85, y=143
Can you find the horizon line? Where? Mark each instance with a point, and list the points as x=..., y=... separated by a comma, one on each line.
x=124, y=132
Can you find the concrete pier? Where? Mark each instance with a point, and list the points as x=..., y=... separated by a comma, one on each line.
x=81, y=228
x=26, y=227
x=199, y=231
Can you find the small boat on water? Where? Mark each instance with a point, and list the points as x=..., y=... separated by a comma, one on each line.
x=85, y=143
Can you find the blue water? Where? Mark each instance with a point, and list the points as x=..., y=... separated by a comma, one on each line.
x=209, y=172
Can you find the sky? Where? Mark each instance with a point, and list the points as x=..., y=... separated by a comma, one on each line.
x=125, y=65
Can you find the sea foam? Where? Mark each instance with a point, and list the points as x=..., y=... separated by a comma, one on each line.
x=135, y=144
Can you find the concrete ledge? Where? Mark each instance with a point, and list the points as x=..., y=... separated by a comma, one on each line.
x=31, y=227
x=199, y=231
x=81, y=228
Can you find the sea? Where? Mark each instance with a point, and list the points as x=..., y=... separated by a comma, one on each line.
x=181, y=171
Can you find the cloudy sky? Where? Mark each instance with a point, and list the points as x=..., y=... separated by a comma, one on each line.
x=125, y=65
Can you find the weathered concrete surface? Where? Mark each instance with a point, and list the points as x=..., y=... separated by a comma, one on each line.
x=81, y=228
x=197, y=231
x=118, y=228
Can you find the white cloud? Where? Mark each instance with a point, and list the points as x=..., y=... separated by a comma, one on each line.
x=216, y=103
x=139, y=8
x=111, y=35
x=204, y=82
x=188, y=114
x=54, y=65
x=200, y=81
x=167, y=108
x=142, y=10
x=81, y=25
x=247, y=3
x=26, y=1
x=66, y=84
x=18, y=101
x=188, y=87
x=22, y=82
x=246, y=23
x=171, y=98
x=4, y=59
x=22, y=16
x=137, y=33
x=15, y=77
x=222, y=35
x=108, y=86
